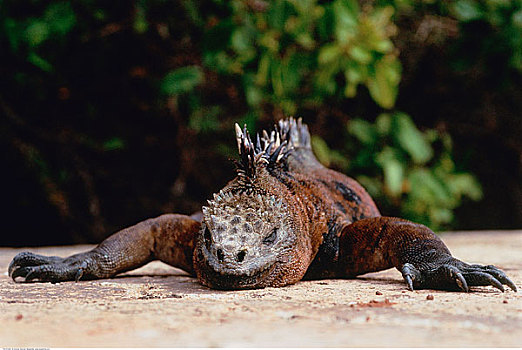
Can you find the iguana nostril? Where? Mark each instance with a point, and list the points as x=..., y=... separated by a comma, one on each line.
x=241, y=255
x=220, y=255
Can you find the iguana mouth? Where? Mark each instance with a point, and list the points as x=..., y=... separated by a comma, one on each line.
x=221, y=277
x=257, y=280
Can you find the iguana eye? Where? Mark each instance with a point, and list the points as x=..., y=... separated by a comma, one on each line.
x=271, y=237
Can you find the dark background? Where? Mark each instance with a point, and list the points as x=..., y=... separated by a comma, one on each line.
x=92, y=144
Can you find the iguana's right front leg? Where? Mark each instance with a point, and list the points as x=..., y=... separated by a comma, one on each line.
x=378, y=243
x=168, y=238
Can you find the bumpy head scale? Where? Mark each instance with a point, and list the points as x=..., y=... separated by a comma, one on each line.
x=244, y=232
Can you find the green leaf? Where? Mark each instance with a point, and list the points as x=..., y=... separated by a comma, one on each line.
x=326, y=155
x=393, y=170
x=411, y=139
x=140, y=24
x=193, y=12
x=426, y=187
x=321, y=150
x=205, y=119
x=516, y=19
x=360, y=54
x=383, y=124
x=182, y=80
x=383, y=46
x=440, y=215
x=329, y=53
x=324, y=78
x=467, y=10
x=39, y=62
x=276, y=77
x=278, y=14
x=60, y=17
x=114, y=144
x=263, y=70
x=353, y=74
x=305, y=40
x=14, y=32
x=254, y=95
x=465, y=184
x=219, y=61
x=292, y=69
x=270, y=40
x=37, y=32
x=304, y=7
x=384, y=80
x=350, y=90
x=346, y=13
x=371, y=184
x=242, y=39
x=363, y=131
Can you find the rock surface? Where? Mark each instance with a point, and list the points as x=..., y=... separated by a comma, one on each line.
x=159, y=306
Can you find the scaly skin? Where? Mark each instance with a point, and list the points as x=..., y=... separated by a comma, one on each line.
x=285, y=217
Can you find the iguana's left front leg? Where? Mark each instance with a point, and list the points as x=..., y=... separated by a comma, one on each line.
x=169, y=238
x=425, y=262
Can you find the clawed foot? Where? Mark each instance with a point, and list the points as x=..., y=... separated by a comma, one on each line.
x=455, y=275
x=34, y=267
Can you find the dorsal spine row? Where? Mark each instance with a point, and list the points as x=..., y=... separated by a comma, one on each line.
x=269, y=150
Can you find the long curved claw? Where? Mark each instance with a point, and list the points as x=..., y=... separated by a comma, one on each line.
x=495, y=283
x=409, y=281
x=409, y=274
x=501, y=276
x=480, y=278
x=461, y=282
x=510, y=284
x=21, y=272
x=33, y=274
x=30, y=273
x=456, y=275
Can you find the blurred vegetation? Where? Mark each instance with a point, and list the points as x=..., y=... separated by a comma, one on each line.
x=403, y=169
x=114, y=112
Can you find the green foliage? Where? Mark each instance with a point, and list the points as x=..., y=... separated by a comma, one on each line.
x=29, y=36
x=503, y=18
x=409, y=171
x=156, y=74
x=181, y=80
x=300, y=52
x=114, y=144
x=488, y=29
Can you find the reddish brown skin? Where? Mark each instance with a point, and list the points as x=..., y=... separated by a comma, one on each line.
x=340, y=234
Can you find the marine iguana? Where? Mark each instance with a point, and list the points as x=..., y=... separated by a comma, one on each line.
x=283, y=218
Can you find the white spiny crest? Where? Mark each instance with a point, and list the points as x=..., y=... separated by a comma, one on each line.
x=295, y=132
x=269, y=149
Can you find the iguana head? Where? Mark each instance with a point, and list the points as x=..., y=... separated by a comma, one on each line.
x=251, y=233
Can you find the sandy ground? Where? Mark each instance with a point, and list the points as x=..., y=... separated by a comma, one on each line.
x=159, y=306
